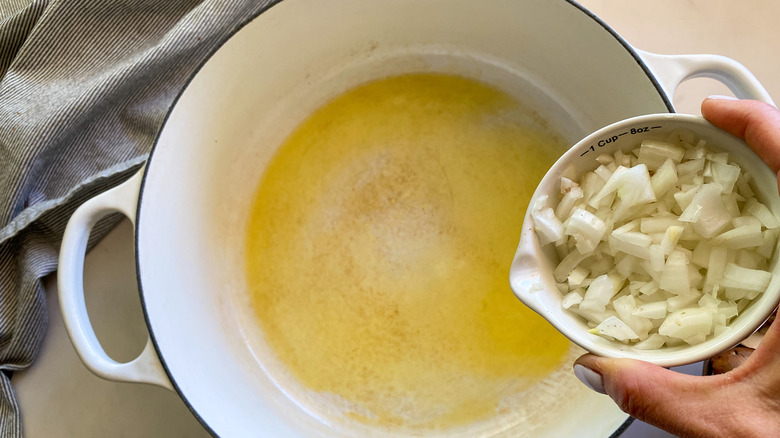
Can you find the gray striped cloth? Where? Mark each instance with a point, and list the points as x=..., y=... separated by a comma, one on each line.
x=86, y=85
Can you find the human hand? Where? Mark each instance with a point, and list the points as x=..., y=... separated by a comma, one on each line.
x=743, y=402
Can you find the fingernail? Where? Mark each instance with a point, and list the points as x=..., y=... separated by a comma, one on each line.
x=721, y=97
x=589, y=378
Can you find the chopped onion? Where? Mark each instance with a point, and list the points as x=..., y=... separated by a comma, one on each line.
x=664, y=178
x=744, y=278
x=653, y=342
x=571, y=299
x=664, y=246
x=615, y=328
x=654, y=153
x=586, y=229
x=653, y=310
x=674, y=277
x=625, y=307
x=747, y=236
x=770, y=241
x=707, y=211
x=762, y=213
x=567, y=201
x=598, y=295
x=577, y=277
x=725, y=174
x=688, y=325
x=568, y=264
x=548, y=227
x=715, y=267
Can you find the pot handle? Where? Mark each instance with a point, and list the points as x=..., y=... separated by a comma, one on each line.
x=146, y=368
x=671, y=70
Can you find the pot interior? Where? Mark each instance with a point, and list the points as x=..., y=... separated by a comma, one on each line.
x=226, y=126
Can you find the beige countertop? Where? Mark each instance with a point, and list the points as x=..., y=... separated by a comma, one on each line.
x=60, y=397
x=744, y=31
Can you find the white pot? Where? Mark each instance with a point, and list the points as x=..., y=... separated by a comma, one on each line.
x=190, y=205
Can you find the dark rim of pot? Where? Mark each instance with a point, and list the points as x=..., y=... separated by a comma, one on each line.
x=619, y=431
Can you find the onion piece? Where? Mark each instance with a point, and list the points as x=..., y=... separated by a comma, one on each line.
x=654, y=153
x=568, y=201
x=598, y=294
x=691, y=166
x=577, y=277
x=715, y=268
x=632, y=186
x=653, y=310
x=633, y=243
x=748, y=236
x=616, y=329
x=707, y=211
x=762, y=213
x=547, y=226
x=687, y=323
x=664, y=178
x=625, y=307
x=564, y=268
x=767, y=247
x=653, y=342
x=726, y=175
x=670, y=239
x=586, y=229
x=571, y=299
x=659, y=223
x=743, y=278
x=674, y=277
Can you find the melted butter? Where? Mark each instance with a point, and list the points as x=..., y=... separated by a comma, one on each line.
x=379, y=249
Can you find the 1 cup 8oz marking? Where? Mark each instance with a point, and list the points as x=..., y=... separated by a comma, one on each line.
x=605, y=141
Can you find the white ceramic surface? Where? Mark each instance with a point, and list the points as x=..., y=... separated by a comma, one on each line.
x=531, y=273
x=131, y=402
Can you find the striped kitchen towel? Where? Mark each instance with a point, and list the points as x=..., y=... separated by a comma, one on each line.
x=85, y=87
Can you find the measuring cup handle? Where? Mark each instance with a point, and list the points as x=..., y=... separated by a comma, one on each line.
x=672, y=70
x=525, y=276
x=146, y=368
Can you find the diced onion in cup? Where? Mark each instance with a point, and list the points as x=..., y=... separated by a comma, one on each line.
x=662, y=246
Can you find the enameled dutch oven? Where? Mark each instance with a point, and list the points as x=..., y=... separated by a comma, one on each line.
x=190, y=204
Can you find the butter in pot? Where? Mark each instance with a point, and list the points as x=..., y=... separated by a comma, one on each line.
x=379, y=248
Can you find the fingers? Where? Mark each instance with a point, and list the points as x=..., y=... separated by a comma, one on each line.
x=756, y=122
x=681, y=404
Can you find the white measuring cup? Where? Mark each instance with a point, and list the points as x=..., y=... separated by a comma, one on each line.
x=531, y=274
